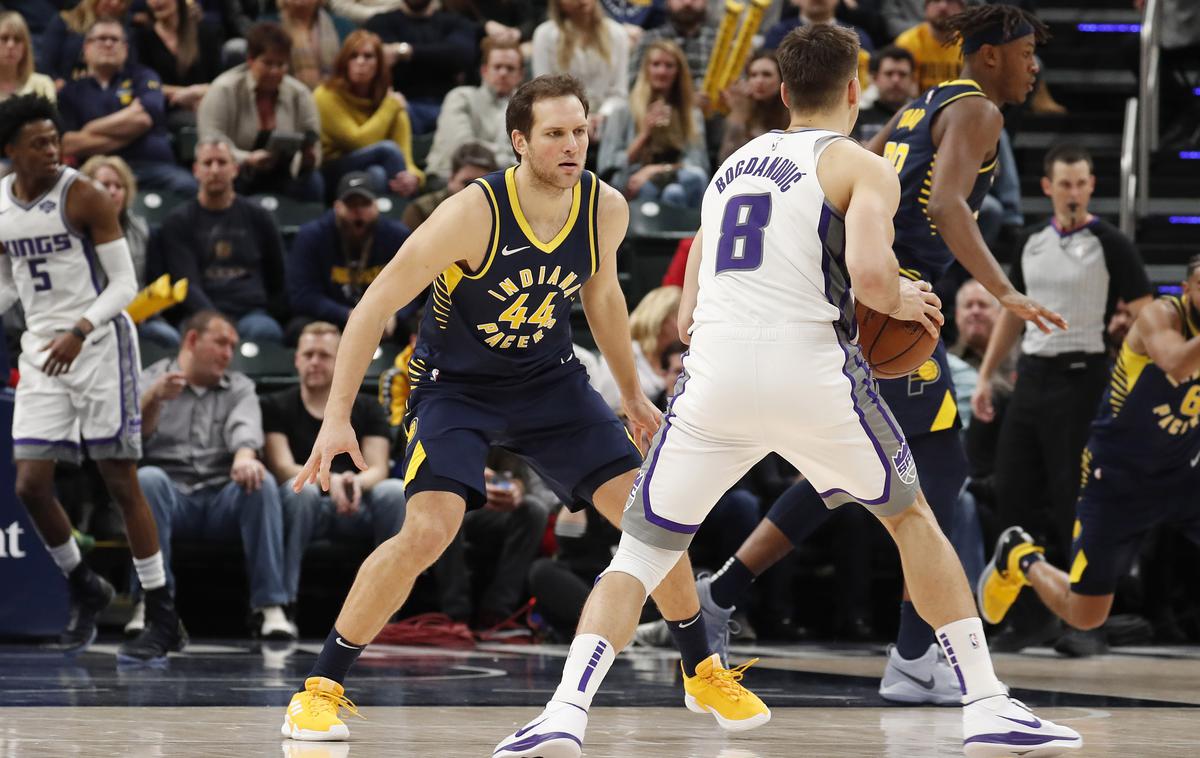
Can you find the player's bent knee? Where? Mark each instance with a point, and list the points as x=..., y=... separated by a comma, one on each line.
x=646, y=563
x=1086, y=612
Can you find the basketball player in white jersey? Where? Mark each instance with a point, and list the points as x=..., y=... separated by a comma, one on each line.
x=788, y=222
x=67, y=262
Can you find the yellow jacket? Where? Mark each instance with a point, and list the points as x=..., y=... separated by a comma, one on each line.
x=349, y=123
x=935, y=63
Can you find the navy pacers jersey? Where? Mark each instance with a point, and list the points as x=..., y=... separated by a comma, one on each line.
x=923, y=401
x=1148, y=422
x=510, y=320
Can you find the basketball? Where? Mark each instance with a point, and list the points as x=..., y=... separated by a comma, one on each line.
x=894, y=348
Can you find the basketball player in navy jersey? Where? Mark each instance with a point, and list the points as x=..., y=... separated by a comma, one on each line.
x=944, y=147
x=1141, y=468
x=66, y=259
x=494, y=365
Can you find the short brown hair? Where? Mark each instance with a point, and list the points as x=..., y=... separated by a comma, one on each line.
x=200, y=321
x=490, y=45
x=1068, y=153
x=266, y=37
x=816, y=61
x=519, y=115
x=320, y=329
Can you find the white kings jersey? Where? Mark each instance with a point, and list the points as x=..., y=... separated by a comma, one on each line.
x=54, y=266
x=773, y=249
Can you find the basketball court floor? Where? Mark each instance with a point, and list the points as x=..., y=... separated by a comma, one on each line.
x=226, y=699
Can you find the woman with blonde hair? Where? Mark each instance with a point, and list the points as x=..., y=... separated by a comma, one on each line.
x=17, y=76
x=60, y=49
x=652, y=326
x=364, y=122
x=653, y=148
x=580, y=40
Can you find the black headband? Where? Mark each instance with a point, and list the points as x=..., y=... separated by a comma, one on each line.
x=994, y=35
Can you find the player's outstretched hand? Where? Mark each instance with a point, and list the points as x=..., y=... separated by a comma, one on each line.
x=981, y=401
x=644, y=417
x=335, y=437
x=1031, y=310
x=918, y=303
x=64, y=349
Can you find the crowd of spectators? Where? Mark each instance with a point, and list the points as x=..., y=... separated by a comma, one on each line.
x=358, y=105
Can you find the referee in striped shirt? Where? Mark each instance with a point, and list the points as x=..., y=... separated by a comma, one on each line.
x=1080, y=266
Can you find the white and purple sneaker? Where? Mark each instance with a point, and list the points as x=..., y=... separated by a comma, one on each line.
x=1000, y=726
x=556, y=733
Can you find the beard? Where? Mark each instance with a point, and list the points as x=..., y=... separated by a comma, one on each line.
x=550, y=177
x=689, y=17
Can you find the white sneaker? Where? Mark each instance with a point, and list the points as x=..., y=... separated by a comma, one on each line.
x=1001, y=726
x=928, y=679
x=556, y=733
x=652, y=634
x=716, y=618
x=137, y=622
x=275, y=624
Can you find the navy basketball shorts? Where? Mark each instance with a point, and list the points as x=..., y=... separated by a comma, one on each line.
x=557, y=423
x=1115, y=510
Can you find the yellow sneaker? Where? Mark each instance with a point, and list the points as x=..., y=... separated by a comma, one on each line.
x=1002, y=579
x=312, y=715
x=718, y=690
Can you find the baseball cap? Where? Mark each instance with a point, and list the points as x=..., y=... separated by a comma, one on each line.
x=355, y=183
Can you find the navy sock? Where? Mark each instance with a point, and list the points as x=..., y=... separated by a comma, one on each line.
x=336, y=657
x=731, y=582
x=915, y=636
x=692, y=640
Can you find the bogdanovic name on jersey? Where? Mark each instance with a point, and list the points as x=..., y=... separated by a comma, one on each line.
x=778, y=169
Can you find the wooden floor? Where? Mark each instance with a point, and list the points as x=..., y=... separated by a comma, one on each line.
x=226, y=699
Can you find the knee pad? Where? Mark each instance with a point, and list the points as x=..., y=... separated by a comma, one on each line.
x=646, y=563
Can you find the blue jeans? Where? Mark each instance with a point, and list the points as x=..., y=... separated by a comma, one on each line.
x=257, y=326
x=310, y=515
x=218, y=514
x=382, y=161
x=686, y=191
x=165, y=177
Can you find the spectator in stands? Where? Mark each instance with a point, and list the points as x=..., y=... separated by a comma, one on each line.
x=497, y=544
x=364, y=122
x=653, y=328
x=580, y=40
x=185, y=52
x=687, y=26
x=653, y=148
x=894, y=83
x=431, y=51
x=636, y=16
x=476, y=114
x=976, y=312
x=60, y=48
x=813, y=12
x=900, y=15
x=268, y=117
x=1079, y=265
x=17, y=76
x=505, y=22
x=335, y=257
x=755, y=106
x=316, y=39
x=227, y=247
x=201, y=430
x=364, y=505
x=118, y=109
x=560, y=585
x=470, y=161
x=930, y=42
x=361, y=11
x=36, y=13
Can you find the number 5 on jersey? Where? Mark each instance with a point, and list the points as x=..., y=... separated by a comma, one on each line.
x=740, y=246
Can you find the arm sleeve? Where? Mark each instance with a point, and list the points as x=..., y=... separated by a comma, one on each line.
x=122, y=282
x=8, y=288
x=1017, y=275
x=243, y=425
x=1127, y=273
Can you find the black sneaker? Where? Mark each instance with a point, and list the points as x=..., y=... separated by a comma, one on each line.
x=1080, y=644
x=90, y=594
x=163, y=634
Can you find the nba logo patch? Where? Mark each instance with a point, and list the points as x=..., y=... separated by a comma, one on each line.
x=974, y=641
x=47, y=206
x=905, y=467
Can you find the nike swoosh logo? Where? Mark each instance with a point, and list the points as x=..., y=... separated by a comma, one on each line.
x=1031, y=724
x=521, y=732
x=923, y=683
x=506, y=251
x=1196, y=460
x=347, y=645
x=685, y=626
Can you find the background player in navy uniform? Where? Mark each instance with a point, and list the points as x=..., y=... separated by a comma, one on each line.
x=956, y=126
x=1141, y=468
x=494, y=365
x=79, y=364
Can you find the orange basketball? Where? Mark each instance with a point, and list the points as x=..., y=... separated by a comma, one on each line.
x=894, y=348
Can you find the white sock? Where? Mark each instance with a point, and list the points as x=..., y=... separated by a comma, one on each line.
x=150, y=571
x=66, y=555
x=966, y=649
x=586, y=666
